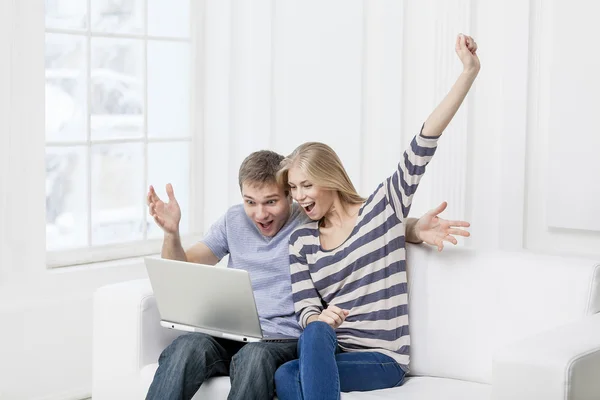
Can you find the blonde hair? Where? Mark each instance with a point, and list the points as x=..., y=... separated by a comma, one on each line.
x=323, y=167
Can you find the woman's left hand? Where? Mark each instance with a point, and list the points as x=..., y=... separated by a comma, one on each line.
x=433, y=230
x=466, y=49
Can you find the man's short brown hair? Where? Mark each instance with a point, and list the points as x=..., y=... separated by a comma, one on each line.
x=260, y=168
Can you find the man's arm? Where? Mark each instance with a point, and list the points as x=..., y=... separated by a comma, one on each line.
x=411, y=233
x=201, y=254
x=198, y=253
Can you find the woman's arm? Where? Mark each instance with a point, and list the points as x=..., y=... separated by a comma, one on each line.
x=307, y=302
x=466, y=49
x=403, y=184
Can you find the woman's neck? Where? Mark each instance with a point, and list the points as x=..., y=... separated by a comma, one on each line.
x=340, y=214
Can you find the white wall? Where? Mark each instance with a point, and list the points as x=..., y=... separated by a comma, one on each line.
x=359, y=75
x=363, y=75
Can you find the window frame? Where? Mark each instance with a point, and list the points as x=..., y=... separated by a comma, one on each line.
x=94, y=254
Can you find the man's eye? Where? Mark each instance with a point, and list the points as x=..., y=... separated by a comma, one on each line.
x=250, y=202
x=307, y=186
x=271, y=202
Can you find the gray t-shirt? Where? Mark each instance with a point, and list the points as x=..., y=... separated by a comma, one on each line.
x=267, y=261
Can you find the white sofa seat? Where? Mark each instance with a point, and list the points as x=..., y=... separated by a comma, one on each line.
x=484, y=325
x=414, y=388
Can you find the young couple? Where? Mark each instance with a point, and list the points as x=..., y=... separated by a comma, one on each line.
x=328, y=268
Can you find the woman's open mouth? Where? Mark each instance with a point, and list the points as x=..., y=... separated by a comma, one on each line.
x=308, y=206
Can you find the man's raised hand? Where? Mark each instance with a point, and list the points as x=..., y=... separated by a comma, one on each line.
x=166, y=215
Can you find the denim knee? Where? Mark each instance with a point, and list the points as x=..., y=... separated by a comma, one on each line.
x=287, y=378
x=319, y=328
x=253, y=355
x=186, y=345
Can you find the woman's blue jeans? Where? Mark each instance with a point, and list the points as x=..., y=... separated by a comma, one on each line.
x=323, y=370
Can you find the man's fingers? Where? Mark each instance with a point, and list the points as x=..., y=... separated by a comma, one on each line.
x=450, y=239
x=159, y=221
x=152, y=194
x=439, y=209
x=459, y=232
x=170, y=192
x=463, y=224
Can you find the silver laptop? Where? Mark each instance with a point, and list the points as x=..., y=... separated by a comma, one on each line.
x=202, y=298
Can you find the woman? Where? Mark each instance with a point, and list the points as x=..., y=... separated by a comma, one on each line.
x=348, y=265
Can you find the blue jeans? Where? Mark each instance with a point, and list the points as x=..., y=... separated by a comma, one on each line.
x=323, y=370
x=195, y=357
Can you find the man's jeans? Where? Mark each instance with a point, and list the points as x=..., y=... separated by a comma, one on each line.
x=195, y=357
x=322, y=370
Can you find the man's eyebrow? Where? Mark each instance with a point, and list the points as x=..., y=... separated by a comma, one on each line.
x=271, y=196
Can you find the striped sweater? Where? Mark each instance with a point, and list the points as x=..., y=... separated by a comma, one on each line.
x=367, y=273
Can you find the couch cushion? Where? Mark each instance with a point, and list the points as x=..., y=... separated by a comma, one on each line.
x=465, y=304
x=425, y=388
x=414, y=388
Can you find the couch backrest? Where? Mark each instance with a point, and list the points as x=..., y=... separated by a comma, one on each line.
x=463, y=304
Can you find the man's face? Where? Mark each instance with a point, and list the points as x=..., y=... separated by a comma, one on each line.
x=267, y=206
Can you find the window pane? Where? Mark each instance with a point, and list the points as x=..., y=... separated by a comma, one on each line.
x=117, y=193
x=168, y=89
x=66, y=197
x=170, y=163
x=66, y=88
x=117, y=16
x=66, y=14
x=117, y=109
x=169, y=18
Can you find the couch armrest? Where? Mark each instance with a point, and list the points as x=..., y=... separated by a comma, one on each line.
x=127, y=336
x=560, y=364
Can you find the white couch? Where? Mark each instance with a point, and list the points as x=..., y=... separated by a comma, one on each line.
x=484, y=325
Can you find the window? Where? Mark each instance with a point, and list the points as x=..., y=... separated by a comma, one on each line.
x=118, y=118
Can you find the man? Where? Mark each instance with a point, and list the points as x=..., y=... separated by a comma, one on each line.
x=255, y=235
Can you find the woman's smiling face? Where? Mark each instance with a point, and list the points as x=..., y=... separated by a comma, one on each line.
x=315, y=200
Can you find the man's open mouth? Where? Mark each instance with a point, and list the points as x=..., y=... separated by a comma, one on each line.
x=266, y=225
